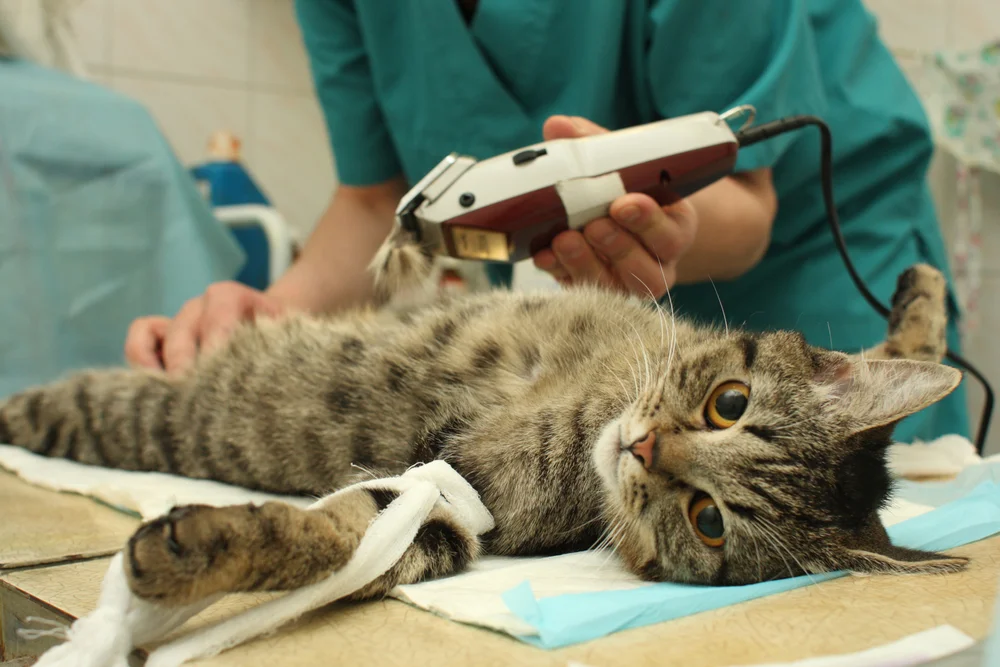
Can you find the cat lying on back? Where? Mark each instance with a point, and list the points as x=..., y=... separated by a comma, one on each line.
x=580, y=416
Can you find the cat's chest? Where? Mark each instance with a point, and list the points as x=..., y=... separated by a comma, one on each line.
x=537, y=479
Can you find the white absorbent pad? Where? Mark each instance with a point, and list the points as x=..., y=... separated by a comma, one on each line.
x=561, y=600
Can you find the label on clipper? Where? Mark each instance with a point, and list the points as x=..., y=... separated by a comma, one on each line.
x=482, y=244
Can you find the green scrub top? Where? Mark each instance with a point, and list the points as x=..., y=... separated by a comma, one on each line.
x=402, y=84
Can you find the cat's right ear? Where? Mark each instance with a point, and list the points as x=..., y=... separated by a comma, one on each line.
x=876, y=393
x=871, y=552
x=901, y=561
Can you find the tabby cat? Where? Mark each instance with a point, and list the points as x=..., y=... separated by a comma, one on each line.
x=582, y=417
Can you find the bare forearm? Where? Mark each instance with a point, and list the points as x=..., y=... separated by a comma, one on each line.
x=735, y=216
x=331, y=272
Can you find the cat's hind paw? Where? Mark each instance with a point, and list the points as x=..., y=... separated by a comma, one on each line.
x=919, y=318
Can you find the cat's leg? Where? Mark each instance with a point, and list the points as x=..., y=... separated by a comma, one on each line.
x=918, y=321
x=196, y=551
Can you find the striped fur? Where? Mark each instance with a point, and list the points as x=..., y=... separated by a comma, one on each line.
x=530, y=397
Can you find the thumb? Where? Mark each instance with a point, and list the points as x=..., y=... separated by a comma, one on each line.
x=569, y=127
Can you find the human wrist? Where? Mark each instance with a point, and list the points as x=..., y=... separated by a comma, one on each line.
x=297, y=292
x=735, y=217
x=304, y=288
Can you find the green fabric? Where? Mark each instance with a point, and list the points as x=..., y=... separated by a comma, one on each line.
x=404, y=84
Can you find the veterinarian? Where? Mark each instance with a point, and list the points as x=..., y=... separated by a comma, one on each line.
x=403, y=84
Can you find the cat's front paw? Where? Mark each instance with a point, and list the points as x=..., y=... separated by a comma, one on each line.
x=186, y=555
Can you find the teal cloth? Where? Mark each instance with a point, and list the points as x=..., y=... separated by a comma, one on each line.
x=99, y=224
x=563, y=620
x=403, y=84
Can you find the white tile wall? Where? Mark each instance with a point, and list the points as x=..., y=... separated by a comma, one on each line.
x=277, y=57
x=236, y=65
x=974, y=22
x=289, y=154
x=194, y=38
x=914, y=24
x=92, y=25
x=239, y=65
x=187, y=112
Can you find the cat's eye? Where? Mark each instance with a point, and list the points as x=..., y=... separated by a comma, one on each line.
x=706, y=519
x=727, y=404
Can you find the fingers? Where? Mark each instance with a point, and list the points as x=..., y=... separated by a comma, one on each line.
x=569, y=127
x=143, y=342
x=578, y=260
x=637, y=270
x=637, y=248
x=645, y=258
x=226, y=305
x=665, y=233
x=202, y=325
x=546, y=261
x=180, y=346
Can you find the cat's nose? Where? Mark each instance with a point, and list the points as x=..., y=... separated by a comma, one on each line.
x=644, y=448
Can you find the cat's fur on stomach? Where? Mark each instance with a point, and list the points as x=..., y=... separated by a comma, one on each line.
x=582, y=417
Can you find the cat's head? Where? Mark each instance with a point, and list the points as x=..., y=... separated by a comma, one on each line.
x=757, y=457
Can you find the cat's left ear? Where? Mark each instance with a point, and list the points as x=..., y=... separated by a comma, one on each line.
x=880, y=392
x=875, y=554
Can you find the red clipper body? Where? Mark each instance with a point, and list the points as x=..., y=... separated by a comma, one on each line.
x=509, y=207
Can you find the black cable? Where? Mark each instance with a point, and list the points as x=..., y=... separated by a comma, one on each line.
x=752, y=135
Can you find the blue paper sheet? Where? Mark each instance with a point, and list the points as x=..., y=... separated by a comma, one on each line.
x=569, y=619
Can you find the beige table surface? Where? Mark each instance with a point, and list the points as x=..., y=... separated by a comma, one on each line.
x=38, y=526
x=843, y=615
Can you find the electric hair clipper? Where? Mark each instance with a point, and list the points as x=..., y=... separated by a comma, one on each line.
x=507, y=208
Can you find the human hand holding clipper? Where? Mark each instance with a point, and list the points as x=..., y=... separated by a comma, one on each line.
x=636, y=247
x=639, y=209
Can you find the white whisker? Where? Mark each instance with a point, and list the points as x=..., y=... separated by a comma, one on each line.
x=673, y=318
x=765, y=524
x=760, y=563
x=645, y=356
x=623, y=527
x=659, y=308
x=365, y=470
x=763, y=533
x=609, y=532
x=582, y=525
x=635, y=353
x=719, y=299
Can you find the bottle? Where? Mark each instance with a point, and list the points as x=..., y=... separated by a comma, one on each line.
x=222, y=178
x=224, y=181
